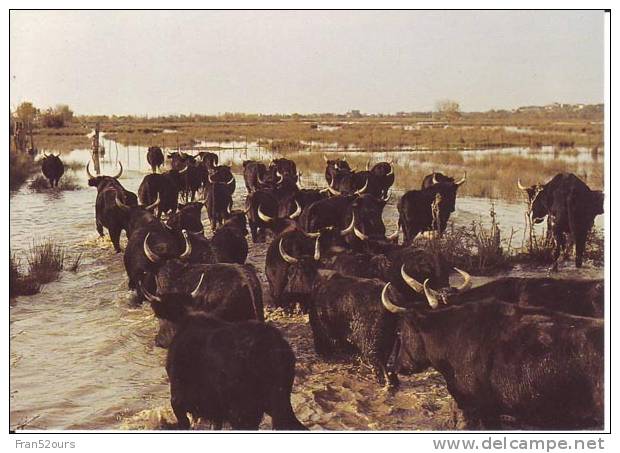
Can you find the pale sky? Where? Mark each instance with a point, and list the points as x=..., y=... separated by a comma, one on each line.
x=135, y=62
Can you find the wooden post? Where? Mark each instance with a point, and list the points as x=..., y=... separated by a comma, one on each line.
x=96, y=150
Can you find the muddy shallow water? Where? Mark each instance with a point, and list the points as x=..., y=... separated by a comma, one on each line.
x=83, y=358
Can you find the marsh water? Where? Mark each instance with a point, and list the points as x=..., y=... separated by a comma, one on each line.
x=82, y=357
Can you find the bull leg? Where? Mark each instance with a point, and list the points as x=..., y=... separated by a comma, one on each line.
x=180, y=412
x=115, y=237
x=253, y=232
x=560, y=241
x=99, y=228
x=580, y=246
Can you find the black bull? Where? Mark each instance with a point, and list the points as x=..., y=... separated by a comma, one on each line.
x=571, y=207
x=227, y=372
x=232, y=292
x=427, y=209
x=52, y=168
x=155, y=157
x=543, y=368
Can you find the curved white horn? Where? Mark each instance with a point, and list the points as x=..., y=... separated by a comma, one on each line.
x=412, y=282
x=152, y=256
x=434, y=178
x=520, y=186
x=462, y=180
x=285, y=256
x=194, y=293
x=431, y=296
x=188, y=246
x=154, y=204
x=231, y=180
x=280, y=177
x=317, y=249
x=359, y=234
x=368, y=165
x=467, y=283
x=391, y=169
x=184, y=169
x=389, y=306
x=119, y=203
x=387, y=197
x=120, y=171
x=90, y=175
x=350, y=228
x=363, y=189
x=148, y=296
x=263, y=216
x=332, y=190
x=297, y=212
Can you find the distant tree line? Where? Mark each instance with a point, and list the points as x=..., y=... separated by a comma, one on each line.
x=29, y=115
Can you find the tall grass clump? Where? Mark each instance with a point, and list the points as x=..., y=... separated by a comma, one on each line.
x=21, y=166
x=45, y=260
x=67, y=182
x=475, y=248
x=20, y=285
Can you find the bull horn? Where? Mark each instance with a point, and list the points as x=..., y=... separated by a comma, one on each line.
x=363, y=189
x=154, y=204
x=412, y=282
x=350, y=228
x=295, y=214
x=280, y=177
x=387, y=197
x=520, y=186
x=209, y=178
x=462, y=180
x=259, y=179
x=188, y=246
x=285, y=256
x=148, y=296
x=467, y=283
x=434, y=178
x=391, y=169
x=312, y=235
x=120, y=171
x=368, y=165
x=152, y=256
x=228, y=209
x=232, y=180
x=332, y=190
x=194, y=293
x=46, y=155
x=389, y=306
x=119, y=203
x=184, y=169
x=262, y=215
x=359, y=234
x=90, y=175
x=431, y=295
x=57, y=155
x=317, y=250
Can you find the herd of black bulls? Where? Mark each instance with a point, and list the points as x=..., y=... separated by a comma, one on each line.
x=529, y=350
